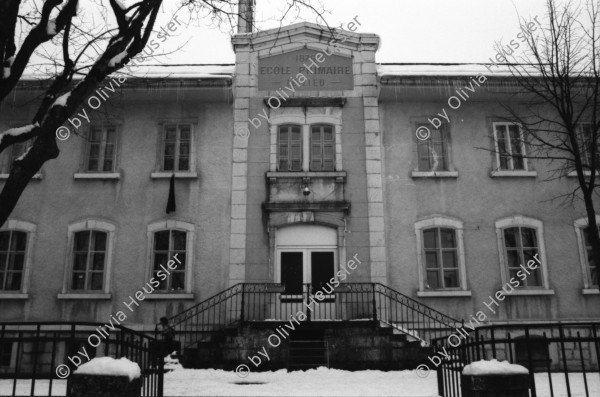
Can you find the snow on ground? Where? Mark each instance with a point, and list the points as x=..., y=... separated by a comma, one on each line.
x=320, y=382
x=313, y=382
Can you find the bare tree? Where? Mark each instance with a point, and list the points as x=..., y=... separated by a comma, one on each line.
x=26, y=26
x=558, y=85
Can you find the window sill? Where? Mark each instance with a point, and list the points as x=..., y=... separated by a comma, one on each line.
x=528, y=292
x=590, y=291
x=340, y=176
x=158, y=295
x=97, y=175
x=434, y=174
x=13, y=296
x=515, y=174
x=178, y=175
x=74, y=296
x=441, y=294
x=37, y=177
x=573, y=174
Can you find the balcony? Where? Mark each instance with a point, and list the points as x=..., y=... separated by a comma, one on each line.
x=306, y=191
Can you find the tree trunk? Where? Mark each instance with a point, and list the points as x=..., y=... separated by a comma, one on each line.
x=44, y=148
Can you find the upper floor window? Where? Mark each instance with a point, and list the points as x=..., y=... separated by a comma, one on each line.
x=89, y=260
x=585, y=134
x=433, y=152
x=12, y=153
x=522, y=252
x=13, y=245
x=176, y=147
x=306, y=147
x=290, y=148
x=101, y=149
x=322, y=148
x=440, y=255
x=509, y=147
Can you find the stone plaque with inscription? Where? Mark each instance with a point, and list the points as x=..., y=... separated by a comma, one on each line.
x=333, y=74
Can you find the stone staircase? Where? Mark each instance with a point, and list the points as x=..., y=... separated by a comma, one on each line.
x=307, y=349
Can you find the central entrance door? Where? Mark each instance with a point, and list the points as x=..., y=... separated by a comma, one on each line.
x=306, y=262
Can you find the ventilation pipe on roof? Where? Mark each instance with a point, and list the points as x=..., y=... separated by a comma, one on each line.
x=246, y=16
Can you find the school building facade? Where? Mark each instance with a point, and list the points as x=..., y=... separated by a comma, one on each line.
x=282, y=181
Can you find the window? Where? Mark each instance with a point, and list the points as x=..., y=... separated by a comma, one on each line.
x=441, y=259
x=440, y=256
x=322, y=148
x=167, y=244
x=5, y=353
x=591, y=265
x=176, y=147
x=89, y=260
x=433, y=152
x=521, y=245
x=12, y=153
x=510, y=147
x=520, y=241
x=290, y=148
x=585, y=132
x=12, y=259
x=101, y=149
x=588, y=266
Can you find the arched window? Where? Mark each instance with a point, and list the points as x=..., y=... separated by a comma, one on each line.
x=588, y=266
x=171, y=248
x=440, y=254
x=522, y=253
x=89, y=257
x=15, y=245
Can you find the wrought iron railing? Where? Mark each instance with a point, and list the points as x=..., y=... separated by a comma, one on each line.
x=248, y=302
x=562, y=358
x=34, y=357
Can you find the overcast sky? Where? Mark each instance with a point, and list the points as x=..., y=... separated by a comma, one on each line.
x=410, y=30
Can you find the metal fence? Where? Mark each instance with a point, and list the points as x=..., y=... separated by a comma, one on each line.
x=37, y=358
x=247, y=302
x=562, y=358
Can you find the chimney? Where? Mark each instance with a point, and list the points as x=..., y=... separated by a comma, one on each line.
x=246, y=16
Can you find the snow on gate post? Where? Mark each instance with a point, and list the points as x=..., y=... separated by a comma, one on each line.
x=106, y=377
x=494, y=379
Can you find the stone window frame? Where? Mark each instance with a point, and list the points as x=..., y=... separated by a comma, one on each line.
x=171, y=224
x=297, y=115
x=7, y=154
x=579, y=224
x=31, y=230
x=441, y=221
x=192, y=173
x=538, y=225
x=496, y=171
x=83, y=172
x=89, y=225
